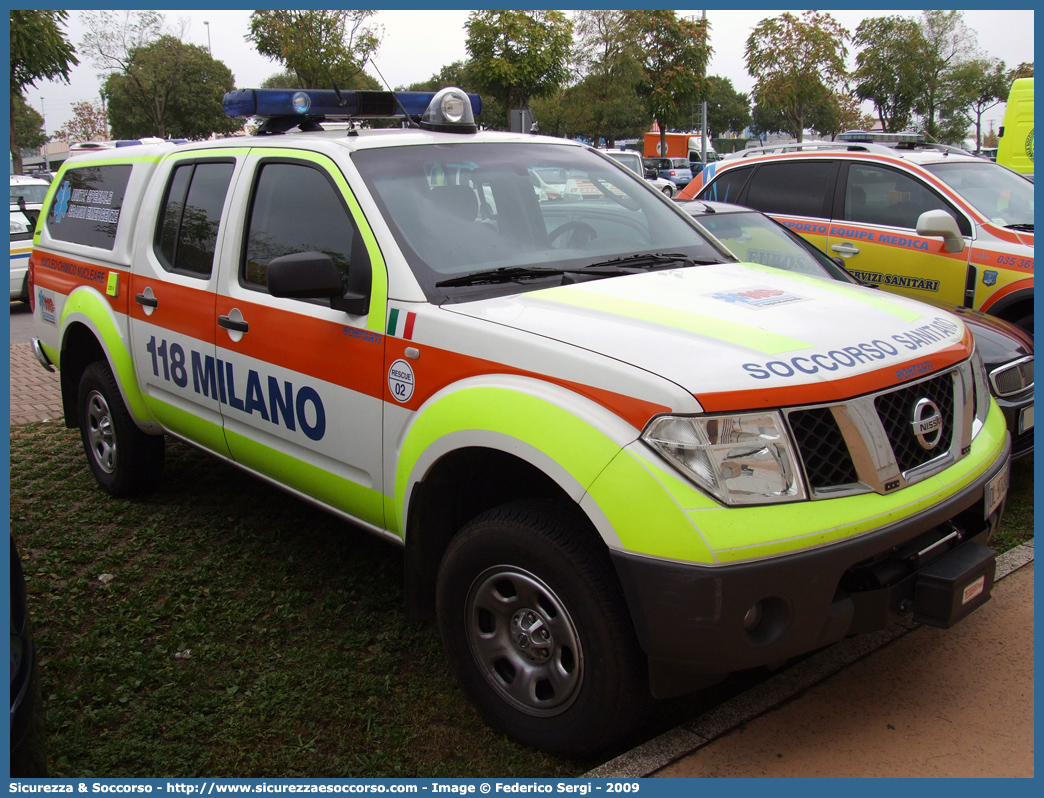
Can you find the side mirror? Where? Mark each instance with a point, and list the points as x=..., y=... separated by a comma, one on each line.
x=313, y=275
x=940, y=223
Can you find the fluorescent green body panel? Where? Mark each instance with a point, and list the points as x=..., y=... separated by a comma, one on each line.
x=658, y=514
x=198, y=430
x=752, y=337
x=579, y=448
x=642, y=504
x=94, y=306
x=335, y=491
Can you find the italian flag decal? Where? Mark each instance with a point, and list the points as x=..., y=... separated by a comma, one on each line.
x=400, y=323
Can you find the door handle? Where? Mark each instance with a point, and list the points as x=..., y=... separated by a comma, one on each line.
x=233, y=324
x=147, y=301
x=845, y=249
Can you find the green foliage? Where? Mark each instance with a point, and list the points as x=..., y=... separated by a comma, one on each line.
x=29, y=124
x=949, y=43
x=672, y=53
x=976, y=87
x=518, y=55
x=39, y=51
x=1023, y=70
x=890, y=68
x=321, y=48
x=796, y=64
x=727, y=109
x=169, y=89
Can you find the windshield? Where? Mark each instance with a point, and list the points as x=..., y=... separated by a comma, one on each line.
x=999, y=194
x=34, y=194
x=754, y=237
x=530, y=210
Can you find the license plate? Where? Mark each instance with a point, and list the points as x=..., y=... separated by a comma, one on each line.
x=996, y=490
x=1026, y=419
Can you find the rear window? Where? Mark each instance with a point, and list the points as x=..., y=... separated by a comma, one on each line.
x=796, y=188
x=86, y=207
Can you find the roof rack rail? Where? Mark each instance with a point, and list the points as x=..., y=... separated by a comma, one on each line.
x=811, y=146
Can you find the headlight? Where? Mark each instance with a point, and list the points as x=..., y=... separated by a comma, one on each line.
x=982, y=392
x=739, y=459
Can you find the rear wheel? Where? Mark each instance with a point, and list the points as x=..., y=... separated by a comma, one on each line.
x=537, y=631
x=124, y=460
x=668, y=190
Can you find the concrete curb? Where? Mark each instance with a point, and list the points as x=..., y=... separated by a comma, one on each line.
x=661, y=751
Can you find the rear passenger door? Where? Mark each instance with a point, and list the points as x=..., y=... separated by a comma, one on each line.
x=173, y=285
x=798, y=192
x=301, y=381
x=875, y=231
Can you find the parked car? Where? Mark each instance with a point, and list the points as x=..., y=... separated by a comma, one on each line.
x=929, y=222
x=28, y=748
x=677, y=170
x=22, y=223
x=31, y=190
x=633, y=161
x=1006, y=349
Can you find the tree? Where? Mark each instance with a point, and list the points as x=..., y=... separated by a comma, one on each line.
x=977, y=86
x=287, y=79
x=604, y=104
x=518, y=55
x=322, y=48
x=1023, y=70
x=672, y=53
x=39, y=51
x=170, y=89
x=889, y=68
x=840, y=111
x=793, y=61
x=30, y=125
x=89, y=122
x=727, y=109
x=949, y=43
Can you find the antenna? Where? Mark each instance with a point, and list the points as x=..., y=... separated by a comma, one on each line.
x=409, y=120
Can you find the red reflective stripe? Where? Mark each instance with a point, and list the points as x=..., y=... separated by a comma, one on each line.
x=835, y=390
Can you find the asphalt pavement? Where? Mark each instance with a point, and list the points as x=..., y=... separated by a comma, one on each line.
x=908, y=701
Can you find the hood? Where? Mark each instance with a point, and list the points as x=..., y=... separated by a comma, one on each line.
x=730, y=328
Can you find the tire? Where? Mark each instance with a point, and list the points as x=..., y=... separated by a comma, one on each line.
x=668, y=191
x=125, y=461
x=538, y=633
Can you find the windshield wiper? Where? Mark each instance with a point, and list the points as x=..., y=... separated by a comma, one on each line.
x=650, y=260
x=505, y=274
x=1026, y=227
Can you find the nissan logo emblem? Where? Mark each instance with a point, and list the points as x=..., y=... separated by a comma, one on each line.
x=927, y=423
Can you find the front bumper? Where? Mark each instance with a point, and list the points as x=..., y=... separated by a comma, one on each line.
x=690, y=619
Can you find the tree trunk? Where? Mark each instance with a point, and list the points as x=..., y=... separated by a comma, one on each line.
x=16, y=150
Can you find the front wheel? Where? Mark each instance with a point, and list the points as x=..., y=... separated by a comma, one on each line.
x=536, y=629
x=668, y=190
x=124, y=460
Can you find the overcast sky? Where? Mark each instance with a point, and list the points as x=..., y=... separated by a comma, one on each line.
x=416, y=44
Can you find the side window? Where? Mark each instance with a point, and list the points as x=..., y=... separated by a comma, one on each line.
x=727, y=187
x=295, y=208
x=796, y=188
x=188, y=227
x=86, y=206
x=879, y=195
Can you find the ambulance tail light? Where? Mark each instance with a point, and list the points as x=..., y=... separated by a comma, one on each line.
x=742, y=459
x=31, y=280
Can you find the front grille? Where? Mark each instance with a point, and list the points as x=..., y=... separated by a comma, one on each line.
x=870, y=443
x=1013, y=378
x=896, y=413
x=828, y=463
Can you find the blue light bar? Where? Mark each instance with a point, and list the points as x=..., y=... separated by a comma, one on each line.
x=324, y=103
